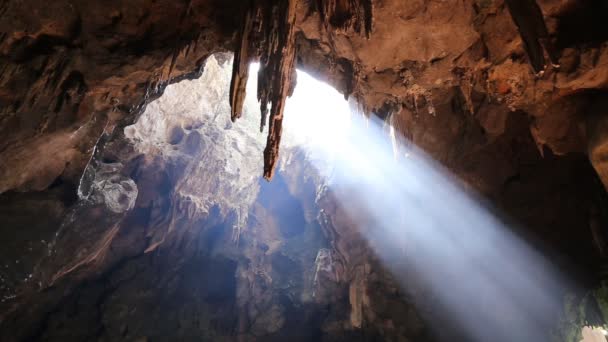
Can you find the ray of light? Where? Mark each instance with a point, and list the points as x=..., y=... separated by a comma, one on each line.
x=485, y=280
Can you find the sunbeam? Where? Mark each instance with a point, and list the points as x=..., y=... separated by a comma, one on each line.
x=487, y=282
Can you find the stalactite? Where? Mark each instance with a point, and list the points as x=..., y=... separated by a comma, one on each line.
x=277, y=70
x=268, y=33
x=174, y=56
x=188, y=46
x=196, y=39
x=240, y=69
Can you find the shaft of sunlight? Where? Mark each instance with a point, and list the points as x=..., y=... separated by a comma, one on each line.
x=485, y=281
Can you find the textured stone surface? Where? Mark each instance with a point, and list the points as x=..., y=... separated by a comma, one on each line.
x=110, y=188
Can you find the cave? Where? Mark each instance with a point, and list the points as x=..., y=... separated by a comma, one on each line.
x=304, y=170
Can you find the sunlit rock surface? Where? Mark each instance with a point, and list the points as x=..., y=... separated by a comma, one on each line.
x=217, y=162
x=593, y=334
x=108, y=187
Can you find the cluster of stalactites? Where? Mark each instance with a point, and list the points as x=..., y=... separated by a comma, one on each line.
x=268, y=34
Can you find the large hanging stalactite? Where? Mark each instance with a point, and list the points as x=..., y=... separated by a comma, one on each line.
x=276, y=79
x=273, y=23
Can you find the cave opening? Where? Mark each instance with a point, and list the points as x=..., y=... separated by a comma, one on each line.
x=433, y=237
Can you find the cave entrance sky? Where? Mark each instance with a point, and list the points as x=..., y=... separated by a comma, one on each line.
x=486, y=281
